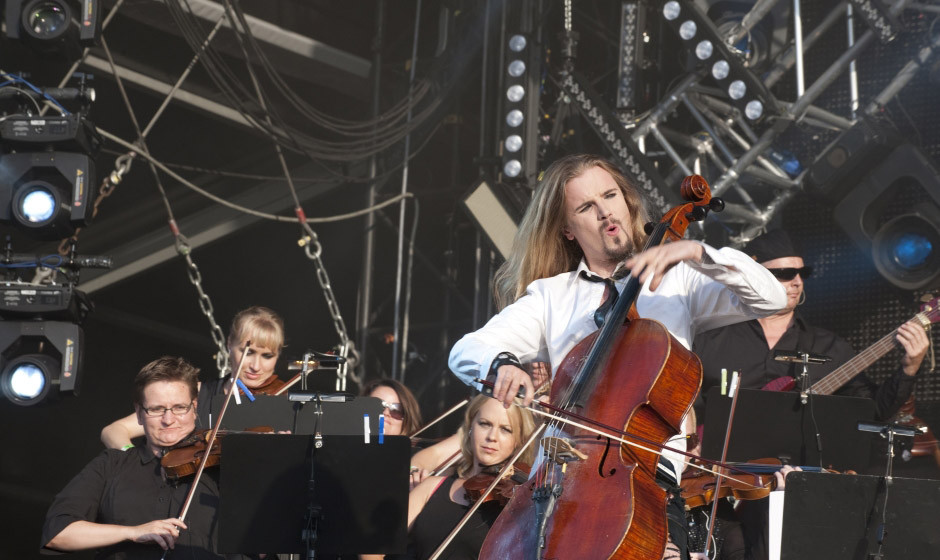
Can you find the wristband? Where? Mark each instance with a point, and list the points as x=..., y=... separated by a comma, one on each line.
x=126, y=447
x=504, y=359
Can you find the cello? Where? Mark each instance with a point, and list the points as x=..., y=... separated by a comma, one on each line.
x=630, y=373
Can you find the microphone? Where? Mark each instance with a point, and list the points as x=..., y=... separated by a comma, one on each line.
x=322, y=361
x=788, y=356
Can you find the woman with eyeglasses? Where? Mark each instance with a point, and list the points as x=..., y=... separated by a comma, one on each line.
x=260, y=325
x=489, y=436
x=401, y=411
x=120, y=504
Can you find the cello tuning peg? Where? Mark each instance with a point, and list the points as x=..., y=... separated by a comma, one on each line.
x=648, y=228
x=716, y=204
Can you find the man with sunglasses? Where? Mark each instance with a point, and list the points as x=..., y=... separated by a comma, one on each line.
x=749, y=346
x=121, y=504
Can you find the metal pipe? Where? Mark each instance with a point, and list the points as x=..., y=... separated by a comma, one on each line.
x=708, y=128
x=786, y=60
x=363, y=317
x=798, y=46
x=669, y=149
x=853, y=75
x=669, y=102
x=398, y=351
x=752, y=18
x=903, y=77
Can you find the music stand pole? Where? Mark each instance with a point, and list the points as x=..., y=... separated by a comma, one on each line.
x=309, y=534
x=887, y=431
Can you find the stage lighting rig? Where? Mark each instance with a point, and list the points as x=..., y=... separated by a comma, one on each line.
x=709, y=53
x=47, y=169
x=41, y=339
x=54, y=25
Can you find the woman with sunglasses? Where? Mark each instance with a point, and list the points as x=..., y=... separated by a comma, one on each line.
x=402, y=414
x=265, y=330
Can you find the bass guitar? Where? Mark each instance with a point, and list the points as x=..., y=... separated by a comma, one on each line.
x=831, y=383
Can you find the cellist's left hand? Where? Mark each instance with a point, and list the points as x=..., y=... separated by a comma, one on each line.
x=656, y=261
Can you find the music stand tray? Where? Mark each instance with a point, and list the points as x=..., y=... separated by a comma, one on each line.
x=828, y=516
x=361, y=490
x=776, y=424
x=338, y=418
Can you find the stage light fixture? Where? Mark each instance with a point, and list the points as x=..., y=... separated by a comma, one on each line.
x=514, y=108
x=46, y=188
x=708, y=52
x=894, y=212
x=53, y=25
x=39, y=359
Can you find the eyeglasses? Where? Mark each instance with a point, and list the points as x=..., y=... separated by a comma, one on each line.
x=787, y=274
x=394, y=410
x=176, y=409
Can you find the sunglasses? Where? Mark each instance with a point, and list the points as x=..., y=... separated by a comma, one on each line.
x=394, y=410
x=786, y=274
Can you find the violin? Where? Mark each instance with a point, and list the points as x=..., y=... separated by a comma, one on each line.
x=748, y=481
x=182, y=459
x=478, y=483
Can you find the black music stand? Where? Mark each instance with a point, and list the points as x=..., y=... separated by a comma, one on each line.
x=828, y=516
x=776, y=424
x=340, y=417
x=360, y=494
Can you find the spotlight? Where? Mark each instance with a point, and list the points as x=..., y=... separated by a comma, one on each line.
x=894, y=212
x=517, y=105
x=906, y=250
x=40, y=359
x=46, y=188
x=49, y=25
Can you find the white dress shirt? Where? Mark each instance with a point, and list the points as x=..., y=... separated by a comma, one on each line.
x=558, y=312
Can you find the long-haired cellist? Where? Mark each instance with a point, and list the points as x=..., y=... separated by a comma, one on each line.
x=583, y=232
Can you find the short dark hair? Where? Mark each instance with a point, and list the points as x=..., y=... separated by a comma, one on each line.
x=409, y=403
x=166, y=368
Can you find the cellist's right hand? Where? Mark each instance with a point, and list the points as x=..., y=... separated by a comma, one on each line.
x=509, y=379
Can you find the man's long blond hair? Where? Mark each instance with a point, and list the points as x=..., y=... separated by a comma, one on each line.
x=540, y=249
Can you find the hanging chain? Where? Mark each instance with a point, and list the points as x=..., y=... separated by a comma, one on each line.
x=311, y=245
x=185, y=250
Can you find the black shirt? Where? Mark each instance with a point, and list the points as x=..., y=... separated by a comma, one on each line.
x=128, y=488
x=742, y=347
x=439, y=517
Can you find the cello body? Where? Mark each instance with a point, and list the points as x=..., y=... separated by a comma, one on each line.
x=608, y=504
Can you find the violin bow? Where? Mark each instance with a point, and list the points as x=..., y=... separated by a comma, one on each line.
x=735, y=384
x=660, y=448
x=211, y=440
x=449, y=411
x=476, y=505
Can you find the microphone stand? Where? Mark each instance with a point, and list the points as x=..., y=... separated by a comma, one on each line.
x=804, y=378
